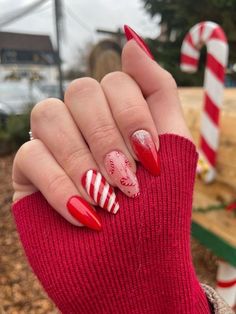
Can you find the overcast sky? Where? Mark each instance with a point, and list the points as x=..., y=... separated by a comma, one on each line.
x=81, y=18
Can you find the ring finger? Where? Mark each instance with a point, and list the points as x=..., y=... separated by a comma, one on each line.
x=52, y=123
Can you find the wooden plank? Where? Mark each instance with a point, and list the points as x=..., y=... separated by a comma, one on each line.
x=215, y=229
x=219, y=222
x=220, y=247
x=191, y=99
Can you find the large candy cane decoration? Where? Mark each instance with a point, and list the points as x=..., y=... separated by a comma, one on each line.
x=226, y=282
x=213, y=36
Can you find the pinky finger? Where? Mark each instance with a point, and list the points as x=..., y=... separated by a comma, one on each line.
x=35, y=168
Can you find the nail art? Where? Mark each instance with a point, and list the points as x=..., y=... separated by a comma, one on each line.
x=146, y=151
x=131, y=34
x=100, y=190
x=83, y=212
x=119, y=169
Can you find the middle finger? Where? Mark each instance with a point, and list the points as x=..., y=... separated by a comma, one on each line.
x=90, y=110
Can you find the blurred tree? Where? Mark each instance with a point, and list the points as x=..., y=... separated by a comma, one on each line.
x=178, y=16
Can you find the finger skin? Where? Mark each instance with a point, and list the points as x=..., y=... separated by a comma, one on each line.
x=129, y=108
x=88, y=105
x=51, y=122
x=158, y=88
x=34, y=168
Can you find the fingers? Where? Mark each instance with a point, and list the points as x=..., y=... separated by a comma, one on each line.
x=91, y=140
x=158, y=87
x=34, y=166
x=90, y=110
x=52, y=123
x=133, y=118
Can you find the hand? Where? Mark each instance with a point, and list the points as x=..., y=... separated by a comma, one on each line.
x=92, y=140
x=141, y=261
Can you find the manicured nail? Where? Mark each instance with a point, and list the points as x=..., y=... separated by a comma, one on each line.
x=100, y=190
x=119, y=169
x=84, y=213
x=146, y=151
x=131, y=34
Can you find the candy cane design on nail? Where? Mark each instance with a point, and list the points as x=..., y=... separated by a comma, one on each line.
x=126, y=182
x=119, y=169
x=100, y=191
x=112, y=167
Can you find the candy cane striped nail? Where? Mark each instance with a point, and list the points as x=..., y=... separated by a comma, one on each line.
x=100, y=191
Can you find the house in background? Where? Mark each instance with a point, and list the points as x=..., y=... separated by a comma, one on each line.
x=27, y=56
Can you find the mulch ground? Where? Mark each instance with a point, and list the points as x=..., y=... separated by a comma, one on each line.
x=20, y=291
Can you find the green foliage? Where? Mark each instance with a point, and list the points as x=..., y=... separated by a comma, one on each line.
x=180, y=16
x=14, y=133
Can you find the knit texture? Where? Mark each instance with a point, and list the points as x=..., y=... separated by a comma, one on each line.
x=139, y=263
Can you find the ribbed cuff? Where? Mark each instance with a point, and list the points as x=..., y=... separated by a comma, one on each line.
x=139, y=263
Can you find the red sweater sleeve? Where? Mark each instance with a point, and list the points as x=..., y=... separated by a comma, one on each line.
x=139, y=263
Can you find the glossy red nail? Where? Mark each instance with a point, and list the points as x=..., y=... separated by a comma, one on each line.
x=146, y=151
x=84, y=213
x=131, y=34
x=100, y=190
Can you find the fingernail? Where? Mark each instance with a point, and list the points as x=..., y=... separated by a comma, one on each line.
x=84, y=213
x=146, y=151
x=131, y=34
x=119, y=169
x=100, y=190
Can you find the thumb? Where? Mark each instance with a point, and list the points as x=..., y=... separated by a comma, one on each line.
x=157, y=85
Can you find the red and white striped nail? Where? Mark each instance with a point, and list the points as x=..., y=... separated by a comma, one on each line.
x=100, y=191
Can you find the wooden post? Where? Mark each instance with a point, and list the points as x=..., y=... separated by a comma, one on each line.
x=58, y=21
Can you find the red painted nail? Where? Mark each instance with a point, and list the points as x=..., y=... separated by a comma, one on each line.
x=146, y=151
x=84, y=213
x=131, y=34
x=100, y=190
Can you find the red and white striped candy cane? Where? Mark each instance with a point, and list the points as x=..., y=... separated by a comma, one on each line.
x=226, y=283
x=213, y=36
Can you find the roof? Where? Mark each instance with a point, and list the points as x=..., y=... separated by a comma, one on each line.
x=20, y=41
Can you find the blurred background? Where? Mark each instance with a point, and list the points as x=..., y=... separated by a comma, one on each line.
x=45, y=44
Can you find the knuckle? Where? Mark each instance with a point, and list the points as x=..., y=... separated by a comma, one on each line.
x=55, y=183
x=76, y=155
x=21, y=153
x=134, y=123
x=132, y=108
x=46, y=110
x=26, y=151
x=169, y=80
x=113, y=77
x=102, y=135
x=131, y=112
x=81, y=86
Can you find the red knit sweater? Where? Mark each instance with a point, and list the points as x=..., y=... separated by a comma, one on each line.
x=139, y=263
